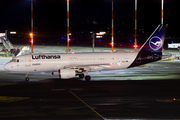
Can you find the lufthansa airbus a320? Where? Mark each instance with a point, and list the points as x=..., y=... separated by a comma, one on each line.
x=68, y=65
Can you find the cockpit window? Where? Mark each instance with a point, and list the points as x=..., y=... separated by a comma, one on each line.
x=14, y=60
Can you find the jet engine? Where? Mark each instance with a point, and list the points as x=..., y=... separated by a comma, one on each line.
x=65, y=73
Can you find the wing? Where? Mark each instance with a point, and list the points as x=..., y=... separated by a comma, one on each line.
x=90, y=67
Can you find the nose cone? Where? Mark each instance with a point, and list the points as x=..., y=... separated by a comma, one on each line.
x=7, y=66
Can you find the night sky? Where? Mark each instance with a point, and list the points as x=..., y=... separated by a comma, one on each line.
x=50, y=16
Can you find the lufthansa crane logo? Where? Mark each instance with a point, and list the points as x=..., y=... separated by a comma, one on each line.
x=155, y=43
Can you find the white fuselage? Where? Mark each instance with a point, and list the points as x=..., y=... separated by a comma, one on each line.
x=54, y=62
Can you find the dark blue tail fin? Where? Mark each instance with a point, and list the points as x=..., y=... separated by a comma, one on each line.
x=155, y=41
x=151, y=51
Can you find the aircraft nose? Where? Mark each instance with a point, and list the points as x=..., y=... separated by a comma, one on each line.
x=7, y=66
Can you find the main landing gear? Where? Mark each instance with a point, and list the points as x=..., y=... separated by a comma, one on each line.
x=81, y=76
x=87, y=77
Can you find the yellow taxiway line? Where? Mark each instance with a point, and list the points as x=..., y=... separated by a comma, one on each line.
x=11, y=99
x=87, y=105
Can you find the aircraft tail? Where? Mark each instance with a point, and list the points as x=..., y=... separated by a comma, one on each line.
x=152, y=49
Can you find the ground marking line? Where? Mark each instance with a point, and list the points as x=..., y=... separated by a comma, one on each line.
x=87, y=105
x=11, y=99
x=4, y=84
x=62, y=89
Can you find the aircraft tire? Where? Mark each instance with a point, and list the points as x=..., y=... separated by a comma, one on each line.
x=87, y=78
x=27, y=78
x=81, y=76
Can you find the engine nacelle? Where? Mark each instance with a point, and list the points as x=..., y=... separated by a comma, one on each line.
x=65, y=73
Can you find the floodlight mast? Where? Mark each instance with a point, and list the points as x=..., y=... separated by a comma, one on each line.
x=68, y=25
x=162, y=4
x=112, y=37
x=32, y=26
x=135, y=35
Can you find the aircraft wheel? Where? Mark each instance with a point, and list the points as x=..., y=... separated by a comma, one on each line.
x=81, y=76
x=27, y=78
x=87, y=78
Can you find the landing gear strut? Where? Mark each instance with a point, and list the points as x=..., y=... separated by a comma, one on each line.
x=87, y=77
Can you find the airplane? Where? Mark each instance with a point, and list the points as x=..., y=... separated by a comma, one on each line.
x=69, y=65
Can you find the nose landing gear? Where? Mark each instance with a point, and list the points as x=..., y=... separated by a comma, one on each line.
x=27, y=77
